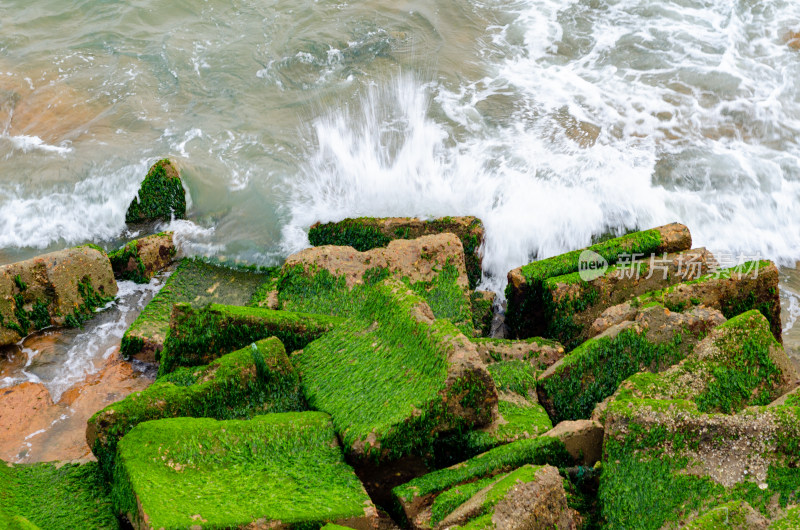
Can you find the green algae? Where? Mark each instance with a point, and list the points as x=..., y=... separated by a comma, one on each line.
x=205, y=473
x=518, y=377
x=447, y=501
x=54, y=496
x=537, y=451
x=195, y=282
x=373, y=371
x=161, y=196
x=522, y=313
x=594, y=370
x=197, y=337
x=254, y=380
x=482, y=313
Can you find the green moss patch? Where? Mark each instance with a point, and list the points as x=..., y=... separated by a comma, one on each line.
x=383, y=375
x=54, y=496
x=319, y=291
x=204, y=473
x=537, y=451
x=449, y=500
x=366, y=233
x=161, y=196
x=139, y=260
x=594, y=370
x=482, y=312
x=738, y=365
x=254, y=380
x=194, y=282
x=198, y=336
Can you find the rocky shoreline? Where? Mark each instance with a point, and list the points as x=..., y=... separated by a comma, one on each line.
x=365, y=383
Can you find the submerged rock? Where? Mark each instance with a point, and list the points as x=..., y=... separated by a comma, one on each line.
x=142, y=258
x=254, y=380
x=56, y=289
x=273, y=471
x=366, y=233
x=161, y=196
x=527, y=315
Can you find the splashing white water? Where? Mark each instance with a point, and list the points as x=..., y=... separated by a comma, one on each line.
x=631, y=117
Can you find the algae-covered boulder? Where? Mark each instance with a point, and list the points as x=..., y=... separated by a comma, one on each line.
x=54, y=496
x=659, y=338
x=519, y=415
x=680, y=462
x=142, y=258
x=739, y=364
x=736, y=515
x=672, y=432
x=366, y=233
x=334, y=280
x=526, y=285
x=195, y=282
x=528, y=497
x=569, y=303
x=56, y=289
x=273, y=471
x=418, y=494
x=393, y=378
x=161, y=196
x=198, y=336
x=733, y=291
x=538, y=352
x=254, y=380
x=583, y=439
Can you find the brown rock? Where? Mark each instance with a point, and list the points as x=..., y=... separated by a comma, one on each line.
x=142, y=258
x=418, y=259
x=582, y=438
x=536, y=504
x=51, y=288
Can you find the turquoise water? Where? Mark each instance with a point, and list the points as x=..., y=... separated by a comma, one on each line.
x=554, y=121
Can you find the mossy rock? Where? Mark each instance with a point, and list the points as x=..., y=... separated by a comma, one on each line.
x=56, y=289
x=254, y=380
x=673, y=432
x=140, y=259
x=311, y=289
x=733, y=291
x=736, y=515
x=195, y=282
x=519, y=416
x=393, y=377
x=198, y=336
x=669, y=461
x=528, y=497
x=54, y=496
x=539, y=353
x=416, y=495
x=569, y=304
x=571, y=388
x=282, y=470
x=739, y=364
x=161, y=196
x=482, y=312
x=366, y=233
x=525, y=312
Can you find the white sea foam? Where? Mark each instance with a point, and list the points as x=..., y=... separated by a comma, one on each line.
x=27, y=143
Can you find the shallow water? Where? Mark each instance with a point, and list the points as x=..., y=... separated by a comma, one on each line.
x=554, y=121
